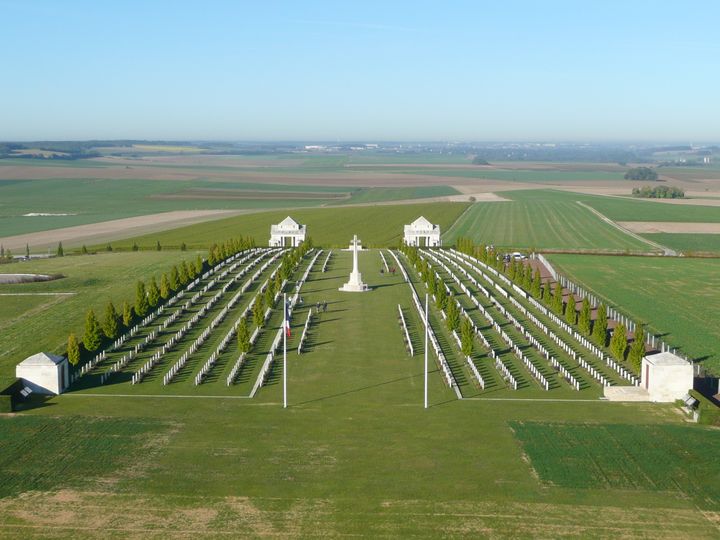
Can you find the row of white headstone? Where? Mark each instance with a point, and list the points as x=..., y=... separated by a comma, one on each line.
x=571, y=379
x=406, y=334
x=304, y=335
x=148, y=320
x=442, y=361
x=532, y=368
x=586, y=343
x=182, y=361
x=327, y=260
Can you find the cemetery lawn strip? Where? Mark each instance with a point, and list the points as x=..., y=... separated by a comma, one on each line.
x=686, y=311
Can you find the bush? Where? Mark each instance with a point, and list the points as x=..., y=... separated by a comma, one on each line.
x=709, y=412
x=5, y=403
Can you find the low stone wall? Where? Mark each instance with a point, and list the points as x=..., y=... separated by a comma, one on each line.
x=26, y=278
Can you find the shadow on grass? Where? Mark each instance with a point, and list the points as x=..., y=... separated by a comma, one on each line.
x=354, y=390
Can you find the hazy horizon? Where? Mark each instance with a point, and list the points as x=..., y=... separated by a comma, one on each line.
x=607, y=73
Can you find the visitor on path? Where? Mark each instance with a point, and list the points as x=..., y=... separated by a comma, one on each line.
x=324, y=307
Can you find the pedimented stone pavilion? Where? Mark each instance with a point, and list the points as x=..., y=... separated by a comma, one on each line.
x=287, y=233
x=44, y=373
x=422, y=233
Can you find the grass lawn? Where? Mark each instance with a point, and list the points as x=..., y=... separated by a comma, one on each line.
x=540, y=219
x=354, y=454
x=374, y=225
x=678, y=298
x=30, y=324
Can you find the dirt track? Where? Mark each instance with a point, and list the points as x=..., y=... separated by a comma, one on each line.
x=107, y=231
x=644, y=227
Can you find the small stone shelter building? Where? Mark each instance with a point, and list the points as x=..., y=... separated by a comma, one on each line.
x=44, y=373
x=666, y=376
x=422, y=233
x=287, y=233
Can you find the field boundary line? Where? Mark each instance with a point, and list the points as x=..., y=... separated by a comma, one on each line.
x=598, y=400
x=163, y=396
x=450, y=228
x=39, y=294
x=666, y=250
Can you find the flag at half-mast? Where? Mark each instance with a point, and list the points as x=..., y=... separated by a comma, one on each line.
x=286, y=320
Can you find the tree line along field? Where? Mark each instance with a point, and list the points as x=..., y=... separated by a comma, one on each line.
x=328, y=227
x=541, y=220
x=677, y=297
x=355, y=453
x=34, y=322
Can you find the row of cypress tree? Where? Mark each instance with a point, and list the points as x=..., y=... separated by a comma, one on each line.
x=596, y=329
x=147, y=297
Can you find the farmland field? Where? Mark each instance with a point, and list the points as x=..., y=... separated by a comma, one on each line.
x=30, y=324
x=354, y=454
x=688, y=243
x=329, y=227
x=677, y=297
x=541, y=220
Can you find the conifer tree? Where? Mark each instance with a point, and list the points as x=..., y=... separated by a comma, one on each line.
x=73, y=350
x=243, y=336
x=183, y=277
x=127, y=315
x=91, y=338
x=278, y=282
x=2, y=251
x=174, y=279
x=570, y=315
x=141, y=301
x=600, y=325
x=527, y=278
x=557, y=305
x=27, y=251
x=60, y=251
x=584, y=318
x=535, y=288
x=153, y=293
x=164, y=287
x=270, y=294
x=183, y=247
x=84, y=250
x=158, y=247
x=198, y=265
x=258, y=311
x=441, y=298
x=135, y=247
x=110, y=325
x=108, y=247
x=618, y=342
x=637, y=349
x=511, y=270
x=452, y=313
x=466, y=337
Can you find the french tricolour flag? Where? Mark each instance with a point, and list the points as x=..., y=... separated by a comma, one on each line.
x=286, y=321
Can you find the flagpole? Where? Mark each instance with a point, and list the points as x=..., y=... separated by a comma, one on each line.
x=426, y=350
x=284, y=351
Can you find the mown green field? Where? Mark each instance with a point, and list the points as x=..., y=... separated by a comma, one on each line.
x=32, y=323
x=354, y=454
x=688, y=243
x=540, y=219
x=667, y=458
x=626, y=209
x=328, y=227
x=678, y=298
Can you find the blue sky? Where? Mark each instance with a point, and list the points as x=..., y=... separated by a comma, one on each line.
x=473, y=71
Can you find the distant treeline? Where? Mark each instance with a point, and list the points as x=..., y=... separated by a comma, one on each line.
x=658, y=192
x=641, y=173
